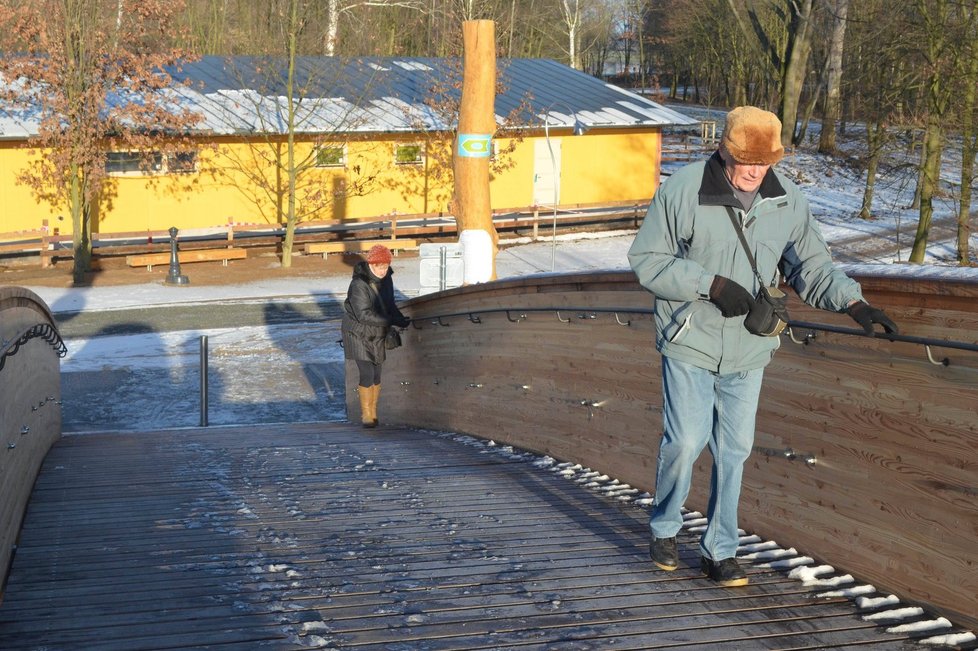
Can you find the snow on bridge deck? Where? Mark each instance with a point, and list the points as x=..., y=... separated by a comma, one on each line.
x=326, y=536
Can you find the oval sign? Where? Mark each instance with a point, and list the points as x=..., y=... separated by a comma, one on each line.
x=474, y=145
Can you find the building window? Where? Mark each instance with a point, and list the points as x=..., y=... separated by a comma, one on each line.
x=182, y=162
x=331, y=156
x=408, y=155
x=134, y=163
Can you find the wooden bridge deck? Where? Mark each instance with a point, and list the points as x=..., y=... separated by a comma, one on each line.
x=325, y=536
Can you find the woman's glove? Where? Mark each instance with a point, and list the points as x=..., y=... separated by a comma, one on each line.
x=403, y=323
x=866, y=315
x=730, y=297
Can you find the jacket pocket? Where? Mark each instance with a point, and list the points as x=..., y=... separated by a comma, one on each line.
x=681, y=329
x=680, y=322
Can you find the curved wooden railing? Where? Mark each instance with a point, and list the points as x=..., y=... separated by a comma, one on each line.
x=30, y=404
x=866, y=454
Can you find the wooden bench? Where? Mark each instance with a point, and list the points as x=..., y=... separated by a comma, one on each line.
x=357, y=246
x=193, y=255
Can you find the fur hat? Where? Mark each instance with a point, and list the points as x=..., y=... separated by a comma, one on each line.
x=753, y=136
x=379, y=254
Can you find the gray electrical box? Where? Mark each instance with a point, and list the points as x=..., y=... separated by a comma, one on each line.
x=441, y=267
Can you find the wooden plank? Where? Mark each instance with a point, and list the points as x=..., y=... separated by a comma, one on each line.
x=191, y=255
x=326, y=535
x=358, y=246
x=890, y=498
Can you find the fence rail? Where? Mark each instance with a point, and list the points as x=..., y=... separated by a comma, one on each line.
x=49, y=245
x=886, y=435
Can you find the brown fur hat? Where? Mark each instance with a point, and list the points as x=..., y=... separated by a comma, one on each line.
x=753, y=136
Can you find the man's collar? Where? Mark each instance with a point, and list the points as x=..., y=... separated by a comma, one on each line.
x=715, y=190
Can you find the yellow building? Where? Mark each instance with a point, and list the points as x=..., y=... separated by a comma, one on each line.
x=373, y=137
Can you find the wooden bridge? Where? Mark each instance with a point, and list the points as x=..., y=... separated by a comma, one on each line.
x=535, y=537
x=327, y=536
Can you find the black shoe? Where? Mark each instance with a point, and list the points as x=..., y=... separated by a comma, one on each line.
x=664, y=554
x=726, y=572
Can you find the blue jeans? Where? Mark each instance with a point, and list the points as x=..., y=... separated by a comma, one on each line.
x=703, y=407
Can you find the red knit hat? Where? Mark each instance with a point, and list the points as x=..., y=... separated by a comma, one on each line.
x=379, y=254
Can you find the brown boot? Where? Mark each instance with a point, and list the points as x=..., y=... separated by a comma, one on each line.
x=373, y=403
x=367, y=418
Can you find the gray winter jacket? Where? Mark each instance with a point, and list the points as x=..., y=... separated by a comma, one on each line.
x=687, y=239
x=368, y=313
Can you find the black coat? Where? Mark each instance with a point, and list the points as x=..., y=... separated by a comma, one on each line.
x=368, y=313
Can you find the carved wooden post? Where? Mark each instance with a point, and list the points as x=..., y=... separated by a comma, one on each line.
x=473, y=148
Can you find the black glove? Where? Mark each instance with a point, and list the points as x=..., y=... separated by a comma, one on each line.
x=403, y=323
x=731, y=298
x=866, y=315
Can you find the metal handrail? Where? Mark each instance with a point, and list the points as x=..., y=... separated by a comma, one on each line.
x=45, y=331
x=588, y=312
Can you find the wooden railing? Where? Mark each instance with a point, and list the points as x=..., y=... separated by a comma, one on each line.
x=30, y=404
x=47, y=244
x=866, y=454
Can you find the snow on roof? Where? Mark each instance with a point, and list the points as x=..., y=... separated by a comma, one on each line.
x=244, y=95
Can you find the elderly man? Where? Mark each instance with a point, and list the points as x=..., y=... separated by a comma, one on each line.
x=694, y=253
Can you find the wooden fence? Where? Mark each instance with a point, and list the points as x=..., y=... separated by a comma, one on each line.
x=45, y=245
x=866, y=454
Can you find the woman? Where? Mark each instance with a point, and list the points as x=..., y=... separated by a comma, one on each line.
x=369, y=313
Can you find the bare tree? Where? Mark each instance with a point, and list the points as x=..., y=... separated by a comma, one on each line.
x=879, y=80
x=839, y=10
x=943, y=26
x=570, y=12
x=788, y=50
x=338, y=8
x=968, y=112
x=94, y=74
x=306, y=116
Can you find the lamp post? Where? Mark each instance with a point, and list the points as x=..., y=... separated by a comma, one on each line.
x=579, y=129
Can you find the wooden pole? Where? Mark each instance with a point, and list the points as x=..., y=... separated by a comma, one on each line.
x=472, y=151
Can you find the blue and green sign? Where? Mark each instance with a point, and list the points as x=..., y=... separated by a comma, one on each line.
x=474, y=145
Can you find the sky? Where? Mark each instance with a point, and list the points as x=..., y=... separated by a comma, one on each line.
x=294, y=372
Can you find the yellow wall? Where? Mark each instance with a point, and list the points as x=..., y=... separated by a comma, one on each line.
x=598, y=167
x=19, y=209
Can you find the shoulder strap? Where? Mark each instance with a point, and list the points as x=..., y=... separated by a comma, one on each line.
x=383, y=306
x=743, y=242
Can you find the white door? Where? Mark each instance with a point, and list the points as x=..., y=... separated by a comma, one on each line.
x=546, y=172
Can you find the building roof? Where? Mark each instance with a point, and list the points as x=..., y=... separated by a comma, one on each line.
x=246, y=95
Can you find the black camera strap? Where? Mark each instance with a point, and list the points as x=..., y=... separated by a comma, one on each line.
x=743, y=241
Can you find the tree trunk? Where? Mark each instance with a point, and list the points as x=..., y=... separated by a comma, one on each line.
x=929, y=179
x=291, y=170
x=968, y=149
x=969, y=145
x=796, y=67
x=333, y=26
x=833, y=84
x=806, y=117
x=875, y=137
x=81, y=239
x=915, y=202
x=571, y=10
x=793, y=69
